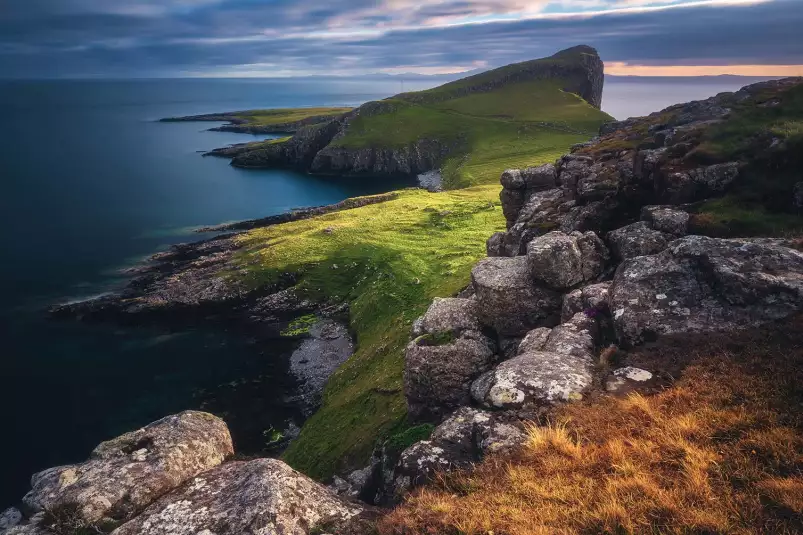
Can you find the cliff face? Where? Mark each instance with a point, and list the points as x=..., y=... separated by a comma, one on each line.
x=339, y=146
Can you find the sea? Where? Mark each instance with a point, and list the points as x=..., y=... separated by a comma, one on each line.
x=92, y=183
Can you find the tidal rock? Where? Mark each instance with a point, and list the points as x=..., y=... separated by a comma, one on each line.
x=702, y=284
x=534, y=340
x=450, y=315
x=126, y=474
x=507, y=300
x=263, y=496
x=666, y=219
x=591, y=299
x=561, y=261
x=534, y=379
x=9, y=518
x=438, y=372
x=637, y=239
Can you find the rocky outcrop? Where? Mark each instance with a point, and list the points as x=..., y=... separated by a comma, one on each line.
x=637, y=239
x=416, y=158
x=240, y=122
x=243, y=497
x=560, y=261
x=170, y=478
x=126, y=474
x=702, y=284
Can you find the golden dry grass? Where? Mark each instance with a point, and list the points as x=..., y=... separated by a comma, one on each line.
x=720, y=451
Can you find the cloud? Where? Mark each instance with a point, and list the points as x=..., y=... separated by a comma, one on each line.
x=296, y=37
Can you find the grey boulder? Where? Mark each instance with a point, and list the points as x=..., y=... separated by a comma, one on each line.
x=561, y=261
x=259, y=497
x=450, y=315
x=702, y=284
x=507, y=300
x=9, y=518
x=591, y=299
x=637, y=239
x=666, y=219
x=126, y=474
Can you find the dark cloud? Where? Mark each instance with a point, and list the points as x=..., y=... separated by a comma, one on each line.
x=149, y=38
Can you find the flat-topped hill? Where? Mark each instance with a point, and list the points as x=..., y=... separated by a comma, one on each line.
x=470, y=130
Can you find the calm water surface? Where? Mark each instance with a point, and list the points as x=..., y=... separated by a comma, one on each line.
x=90, y=183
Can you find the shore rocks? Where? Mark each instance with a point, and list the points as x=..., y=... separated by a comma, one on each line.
x=561, y=261
x=253, y=497
x=127, y=473
x=702, y=284
x=507, y=300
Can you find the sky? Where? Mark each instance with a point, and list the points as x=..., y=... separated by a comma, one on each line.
x=255, y=38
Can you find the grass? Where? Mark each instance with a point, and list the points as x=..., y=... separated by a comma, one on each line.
x=513, y=126
x=718, y=452
x=387, y=261
x=731, y=216
x=280, y=116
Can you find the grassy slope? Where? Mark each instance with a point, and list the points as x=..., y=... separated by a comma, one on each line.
x=505, y=128
x=285, y=115
x=693, y=459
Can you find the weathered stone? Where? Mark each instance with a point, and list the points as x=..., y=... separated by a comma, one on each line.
x=666, y=219
x=625, y=380
x=571, y=169
x=637, y=239
x=714, y=179
x=259, y=496
x=437, y=378
x=9, y=518
x=561, y=261
x=512, y=202
x=534, y=340
x=512, y=179
x=647, y=164
x=601, y=181
x=127, y=473
x=451, y=315
x=702, y=284
x=34, y=526
x=543, y=208
x=507, y=299
x=577, y=337
x=495, y=246
x=543, y=177
x=598, y=216
x=591, y=299
x=534, y=379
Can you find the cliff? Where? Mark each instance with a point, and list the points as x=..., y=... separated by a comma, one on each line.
x=455, y=128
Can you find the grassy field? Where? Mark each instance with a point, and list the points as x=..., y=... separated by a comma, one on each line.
x=285, y=115
x=509, y=127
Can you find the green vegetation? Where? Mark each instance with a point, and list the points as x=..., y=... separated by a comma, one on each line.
x=730, y=216
x=512, y=126
x=403, y=440
x=300, y=326
x=281, y=116
x=387, y=261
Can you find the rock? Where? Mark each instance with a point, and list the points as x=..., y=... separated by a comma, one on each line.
x=561, y=261
x=512, y=179
x=591, y=299
x=512, y=202
x=9, y=518
x=626, y=380
x=601, y=181
x=534, y=379
x=534, y=340
x=507, y=299
x=462, y=439
x=598, y=216
x=543, y=177
x=714, y=179
x=126, y=474
x=259, y=496
x=35, y=526
x=637, y=239
x=577, y=337
x=702, y=284
x=451, y=315
x=495, y=246
x=666, y=219
x=571, y=170
x=438, y=373
x=797, y=196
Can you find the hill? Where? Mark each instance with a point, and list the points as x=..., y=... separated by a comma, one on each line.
x=470, y=129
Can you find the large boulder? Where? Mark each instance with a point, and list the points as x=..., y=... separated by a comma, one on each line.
x=449, y=315
x=666, y=219
x=263, y=496
x=577, y=337
x=561, y=261
x=507, y=299
x=702, y=284
x=538, y=378
x=637, y=239
x=126, y=474
x=439, y=369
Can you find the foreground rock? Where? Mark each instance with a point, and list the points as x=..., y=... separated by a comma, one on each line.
x=263, y=496
x=702, y=284
x=126, y=474
x=561, y=261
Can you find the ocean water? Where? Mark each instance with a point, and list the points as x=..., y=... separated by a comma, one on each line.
x=89, y=184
